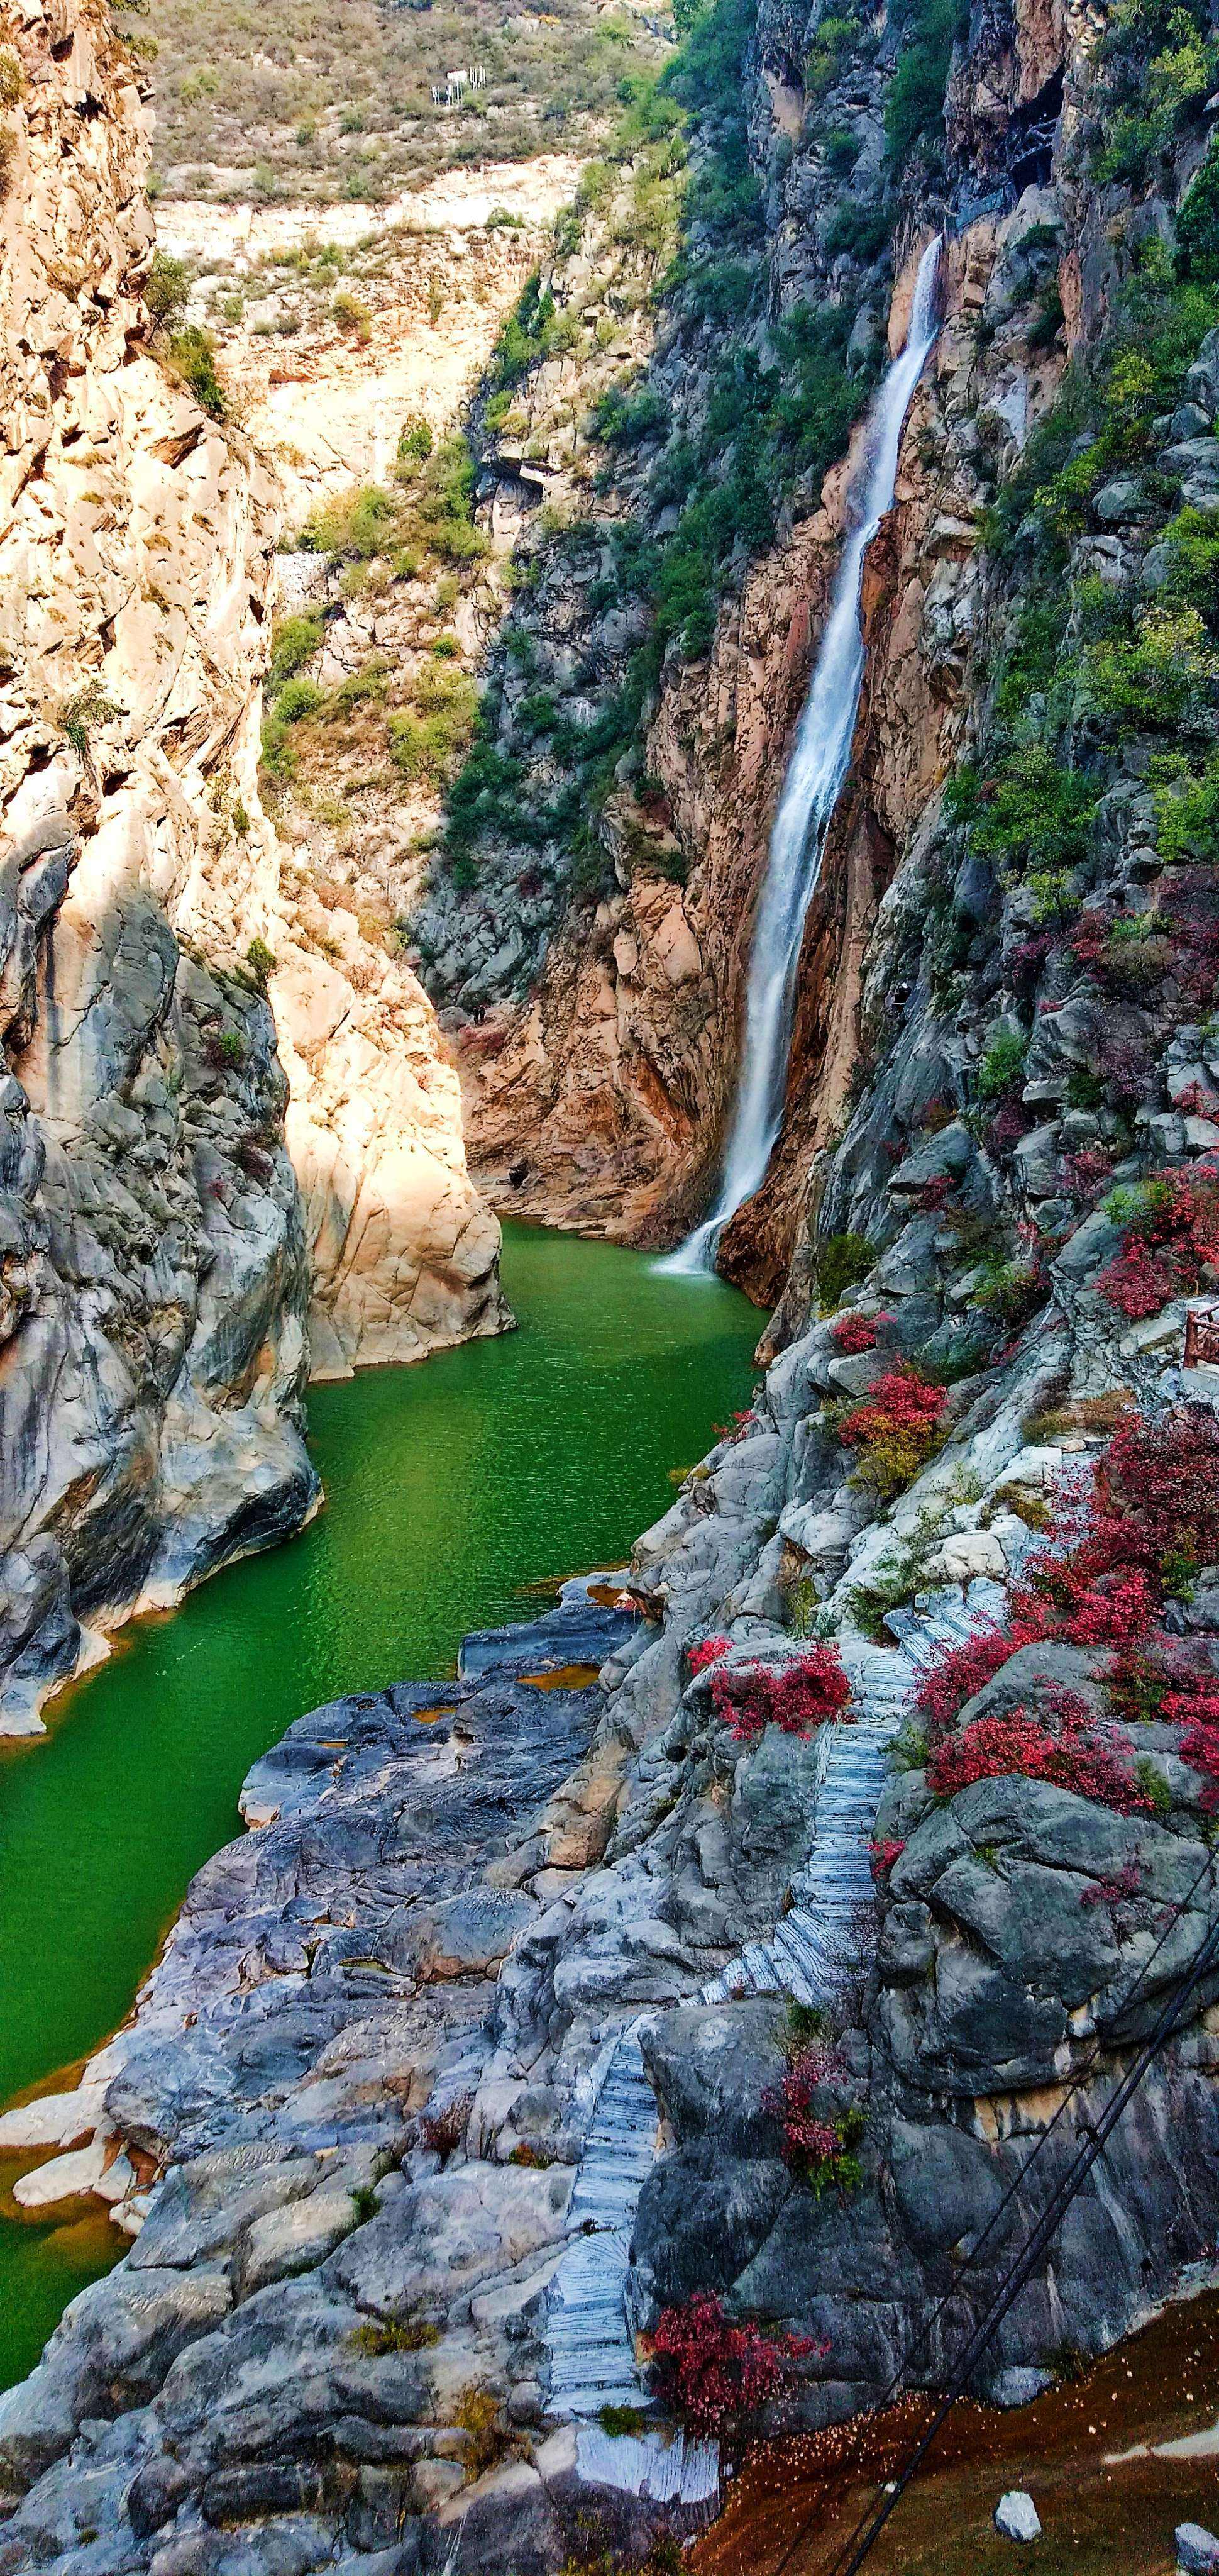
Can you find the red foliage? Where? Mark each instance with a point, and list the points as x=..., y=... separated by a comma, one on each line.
x=855, y=1333
x=1194, y=1102
x=1071, y=1758
x=712, y=2371
x=710, y=1652
x=1083, y=1176
x=1125, y=1883
x=818, y=2138
x=1154, y=1501
x=883, y=1855
x=962, y=1670
x=1123, y=1066
x=798, y=1697
x=900, y=1404
x=1089, y=935
x=1010, y=1122
x=936, y=1194
x=1163, y=1476
x=1170, y=1240
x=738, y=1429
x=1200, y=1748
x=1136, y=1284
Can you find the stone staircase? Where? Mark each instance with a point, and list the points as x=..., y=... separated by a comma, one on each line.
x=592, y=2353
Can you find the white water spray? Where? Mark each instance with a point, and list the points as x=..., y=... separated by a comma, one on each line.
x=811, y=787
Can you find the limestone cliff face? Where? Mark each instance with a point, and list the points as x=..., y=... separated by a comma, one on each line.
x=600, y=1032
x=404, y=1254
x=157, y=1244
x=154, y=1260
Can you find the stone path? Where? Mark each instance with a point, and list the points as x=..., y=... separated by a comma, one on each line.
x=592, y=2353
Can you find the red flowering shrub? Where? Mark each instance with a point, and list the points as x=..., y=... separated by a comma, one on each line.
x=738, y=1429
x=854, y=1333
x=1136, y=1284
x=896, y=1428
x=1082, y=1176
x=1125, y=1884
x=1163, y=1476
x=711, y=1651
x=713, y=2372
x=1194, y=1102
x=961, y=1670
x=1200, y=1748
x=798, y=1696
x=883, y=1855
x=819, y=2138
x=1151, y=1516
x=1171, y=1238
x=1123, y=1065
x=1072, y=1757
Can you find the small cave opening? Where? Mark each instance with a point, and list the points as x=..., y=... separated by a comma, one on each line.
x=1030, y=135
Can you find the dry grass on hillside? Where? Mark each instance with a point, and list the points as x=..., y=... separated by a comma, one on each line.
x=318, y=99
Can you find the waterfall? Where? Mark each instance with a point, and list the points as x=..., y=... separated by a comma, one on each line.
x=815, y=774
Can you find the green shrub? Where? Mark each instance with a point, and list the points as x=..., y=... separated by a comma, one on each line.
x=623, y=419
x=1198, y=224
x=295, y=640
x=353, y=528
x=840, y=1263
x=860, y=228
x=415, y=440
x=167, y=290
x=914, y=105
x=88, y=708
x=191, y=356
x=1002, y=1068
x=261, y=962
x=298, y=698
x=1163, y=677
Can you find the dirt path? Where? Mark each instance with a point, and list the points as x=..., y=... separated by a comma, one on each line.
x=1113, y=2461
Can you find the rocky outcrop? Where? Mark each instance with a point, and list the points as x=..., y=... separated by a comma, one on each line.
x=163, y=1014
x=154, y=1259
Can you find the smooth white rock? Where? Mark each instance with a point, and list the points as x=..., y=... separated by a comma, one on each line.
x=1016, y=2516
x=65, y=2178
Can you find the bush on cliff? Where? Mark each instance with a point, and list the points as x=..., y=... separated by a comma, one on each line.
x=716, y=2372
x=1148, y=1521
x=820, y=2131
x=896, y=1429
x=797, y=1697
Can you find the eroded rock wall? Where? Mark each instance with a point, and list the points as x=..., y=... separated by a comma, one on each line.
x=159, y=1245
x=154, y=1258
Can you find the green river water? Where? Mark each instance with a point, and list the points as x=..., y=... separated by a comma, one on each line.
x=449, y=1487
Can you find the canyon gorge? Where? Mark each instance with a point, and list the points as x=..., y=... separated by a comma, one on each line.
x=781, y=1976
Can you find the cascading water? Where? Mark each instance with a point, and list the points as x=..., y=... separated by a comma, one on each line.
x=810, y=792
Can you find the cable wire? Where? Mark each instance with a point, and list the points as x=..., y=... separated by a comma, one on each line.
x=1078, y=2083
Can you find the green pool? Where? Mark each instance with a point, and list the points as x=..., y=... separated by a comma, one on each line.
x=449, y=1488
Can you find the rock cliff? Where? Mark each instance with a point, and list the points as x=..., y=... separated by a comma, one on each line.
x=154, y=1259
x=160, y=1004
